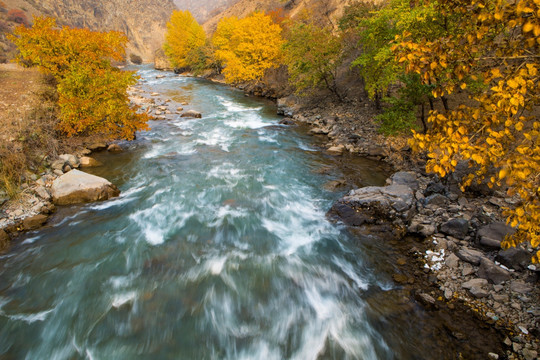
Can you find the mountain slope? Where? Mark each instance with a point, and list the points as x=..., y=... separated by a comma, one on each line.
x=142, y=20
x=326, y=12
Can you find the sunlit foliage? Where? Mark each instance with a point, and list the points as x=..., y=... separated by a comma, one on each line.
x=183, y=40
x=313, y=55
x=495, y=43
x=92, y=93
x=247, y=47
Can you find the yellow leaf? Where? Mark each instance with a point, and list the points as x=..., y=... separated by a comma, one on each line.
x=512, y=83
x=463, y=86
x=528, y=27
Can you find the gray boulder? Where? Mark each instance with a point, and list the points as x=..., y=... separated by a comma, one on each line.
x=436, y=200
x=471, y=256
x=375, y=205
x=521, y=287
x=490, y=271
x=477, y=287
x=493, y=234
x=70, y=160
x=407, y=178
x=79, y=187
x=287, y=106
x=457, y=228
x=191, y=114
x=514, y=258
x=394, y=197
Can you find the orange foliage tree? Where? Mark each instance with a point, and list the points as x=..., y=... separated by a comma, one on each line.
x=247, y=47
x=92, y=93
x=493, y=54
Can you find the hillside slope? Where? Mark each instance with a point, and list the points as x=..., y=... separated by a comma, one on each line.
x=142, y=20
x=326, y=12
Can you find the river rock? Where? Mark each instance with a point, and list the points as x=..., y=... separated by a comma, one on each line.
x=493, y=234
x=457, y=228
x=192, y=114
x=87, y=162
x=514, y=258
x=70, y=160
x=434, y=187
x=520, y=287
x=336, y=150
x=471, y=256
x=452, y=261
x=319, y=131
x=58, y=164
x=115, y=148
x=34, y=222
x=407, y=178
x=397, y=197
x=97, y=146
x=436, y=200
x=287, y=106
x=490, y=271
x=373, y=204
x=79, y=187
x=477, y=287
x=43, y=193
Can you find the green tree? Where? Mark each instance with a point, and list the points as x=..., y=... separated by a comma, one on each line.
x=313, y=55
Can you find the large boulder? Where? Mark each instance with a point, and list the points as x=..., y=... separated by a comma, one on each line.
x=191, y=114
x=514, y=258
x=490, y=271
x=79, y=187
x=375, y=204
x=457, y=228
x=493, y=234
x=405, y=178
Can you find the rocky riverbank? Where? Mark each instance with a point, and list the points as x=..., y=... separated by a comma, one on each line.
x=60, y=184
x=461, y=255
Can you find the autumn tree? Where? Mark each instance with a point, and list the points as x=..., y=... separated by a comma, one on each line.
x=92, y=93
x=183, y=40
x=495, y=44
x=313, y=55
x=247, y=47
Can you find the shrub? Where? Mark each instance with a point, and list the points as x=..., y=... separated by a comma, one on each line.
x=17, y=16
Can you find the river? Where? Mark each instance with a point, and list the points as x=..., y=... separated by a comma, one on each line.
x=217, y=248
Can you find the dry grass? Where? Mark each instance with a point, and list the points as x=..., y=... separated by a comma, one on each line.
x=28, y=121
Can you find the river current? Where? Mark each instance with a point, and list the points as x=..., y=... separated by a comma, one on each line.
x=217, y=248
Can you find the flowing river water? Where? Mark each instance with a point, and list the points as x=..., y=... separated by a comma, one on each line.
x=217, y=248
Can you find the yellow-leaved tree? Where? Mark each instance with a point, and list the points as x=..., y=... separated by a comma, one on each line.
x=491, y=53
x=184, y=38
x=92, y=93
x=247, y=47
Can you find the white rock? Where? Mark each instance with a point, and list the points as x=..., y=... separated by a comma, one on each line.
x=79, y=187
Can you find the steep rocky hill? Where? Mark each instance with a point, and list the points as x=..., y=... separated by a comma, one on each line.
x=142, y=20
x=203, y=10
x=327, y=11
